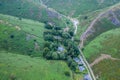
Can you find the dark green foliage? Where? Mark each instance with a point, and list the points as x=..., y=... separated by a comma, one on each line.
x=11, y=36
x=48, y=26
x=47, y=32
x=66, y=36
x=46, y=51
x=71, y=33
x=73, y=65
x=47, y=44
x=55, y=56
x=55, y=38
x=69, y=60
x=48, y=38
x=0, y=3
x=86, y=17
x=67, y=73
x=62, y=56
x=57, y=28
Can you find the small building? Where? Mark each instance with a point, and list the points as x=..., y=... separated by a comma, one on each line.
x=61, y=49
x=76, y=60
x=87, y=77
x=81, y=68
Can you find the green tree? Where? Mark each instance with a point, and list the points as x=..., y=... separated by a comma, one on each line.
x=46, y=51
x=55, y=55
x=62, y=56
x=73, y=66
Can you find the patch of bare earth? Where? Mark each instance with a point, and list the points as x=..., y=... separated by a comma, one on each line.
x=1, y=21
x=18, y=28
x=102, y=57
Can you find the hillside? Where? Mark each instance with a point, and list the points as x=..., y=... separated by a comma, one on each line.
x=59, y=39
x=20, y=67
x=103, y=55
x=31, y=9
x=78, y=7
x=24, y=36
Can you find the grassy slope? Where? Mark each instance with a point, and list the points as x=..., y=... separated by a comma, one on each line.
x=102, y=25
x=20, y=45
x=31, y=9
x=28, y=29
x=106, y=43
x=26, y=68
x=77, y=7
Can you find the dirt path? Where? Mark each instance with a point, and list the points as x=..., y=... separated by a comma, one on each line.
x=75, y=23
x=101, y=58
x=73, y=20
x=85, y=34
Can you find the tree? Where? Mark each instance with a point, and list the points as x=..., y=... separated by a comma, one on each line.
x=66, y=36
x=47, y=44
x=46, y=51
x=48, y=55
x=48, y=38
x=67, y=73
x=55, y=55
x=73, y=66
x=71, y=33
x=62, y=56
x=48, y=26
x=69, y=60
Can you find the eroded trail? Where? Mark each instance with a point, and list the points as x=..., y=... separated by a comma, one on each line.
x=75, y=23
x=85, y=34
x=101, y=58
x=89, y=29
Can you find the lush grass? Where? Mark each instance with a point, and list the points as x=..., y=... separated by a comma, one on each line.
x=77, y=7
x=23, y=67
x=23, y=40
x=106, y=43
x=84, y=23
x=100, y=27
x=107, y=70
x=31, y=9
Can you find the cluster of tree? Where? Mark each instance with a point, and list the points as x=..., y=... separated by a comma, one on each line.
x=55, y=37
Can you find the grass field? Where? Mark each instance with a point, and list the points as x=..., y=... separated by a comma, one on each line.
x=78, y=7
x=20, y=37
x=106, y=43
x=30, y=9
x=20, y=67
x=25, y=36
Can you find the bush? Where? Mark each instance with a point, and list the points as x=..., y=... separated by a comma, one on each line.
x=67, y=73
x=73, y=66
x=55, y=56
x=48, y=38
x=46, y=51
x=48, y=26
x=62, y=56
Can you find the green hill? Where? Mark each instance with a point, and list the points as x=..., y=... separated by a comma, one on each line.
x=78, y=7
x=24, y=36
x=20, y=67
x=30, y=9
x=20, y=41
x=107, y=43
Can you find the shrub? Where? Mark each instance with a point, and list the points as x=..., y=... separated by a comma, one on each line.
x=67, y=73
x=55, y=56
